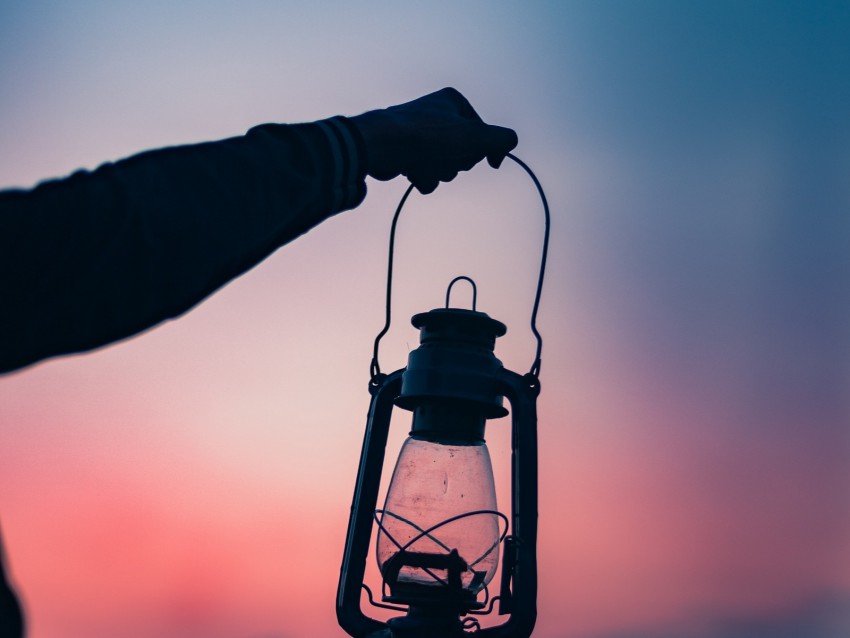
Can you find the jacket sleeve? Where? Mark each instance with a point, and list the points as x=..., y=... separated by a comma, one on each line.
x=102, y=255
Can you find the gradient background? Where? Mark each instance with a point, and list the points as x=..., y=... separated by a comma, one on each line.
x=695, y=416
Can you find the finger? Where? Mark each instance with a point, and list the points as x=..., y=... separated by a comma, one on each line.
x=425, y=185
x=427, y=177
x=501, y=138
x=449, y=176
x=496, y=160
x=382, y=175
x=499, y=142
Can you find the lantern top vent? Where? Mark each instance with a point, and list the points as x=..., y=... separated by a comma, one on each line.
x=459, y=326
x=454, y=362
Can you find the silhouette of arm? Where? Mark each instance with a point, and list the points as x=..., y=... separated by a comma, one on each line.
x=102, y=255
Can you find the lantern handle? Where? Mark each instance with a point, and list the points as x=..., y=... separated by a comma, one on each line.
x=375, y=368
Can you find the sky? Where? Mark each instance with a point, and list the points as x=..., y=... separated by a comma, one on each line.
x=694, y=419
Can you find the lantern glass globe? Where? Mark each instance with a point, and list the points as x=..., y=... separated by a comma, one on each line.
x=441, y=499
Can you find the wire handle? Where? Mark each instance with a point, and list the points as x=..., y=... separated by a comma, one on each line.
x=375, y=368
x=471, y=283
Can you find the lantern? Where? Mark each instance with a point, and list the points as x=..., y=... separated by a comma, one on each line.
x=440, y=535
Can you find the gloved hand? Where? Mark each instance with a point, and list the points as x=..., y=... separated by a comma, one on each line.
x=431, y=139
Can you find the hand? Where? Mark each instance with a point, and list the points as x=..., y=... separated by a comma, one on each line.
x=431, y=139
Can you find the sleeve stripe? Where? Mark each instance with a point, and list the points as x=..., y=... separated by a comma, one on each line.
x=336, y=154
x=350, y=151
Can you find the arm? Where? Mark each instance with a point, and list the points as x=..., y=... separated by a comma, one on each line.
x=102, y=255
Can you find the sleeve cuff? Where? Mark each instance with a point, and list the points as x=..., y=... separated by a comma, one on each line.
x=347, y=151
x=327, y=156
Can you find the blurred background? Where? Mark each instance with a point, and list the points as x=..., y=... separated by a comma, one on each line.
x=195, y=481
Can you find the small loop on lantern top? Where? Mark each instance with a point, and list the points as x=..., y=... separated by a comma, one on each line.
x=474, y=290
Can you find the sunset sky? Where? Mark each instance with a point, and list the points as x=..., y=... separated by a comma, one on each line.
x=195, y=481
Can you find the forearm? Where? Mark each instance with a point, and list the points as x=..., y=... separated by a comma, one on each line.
x=100, y=256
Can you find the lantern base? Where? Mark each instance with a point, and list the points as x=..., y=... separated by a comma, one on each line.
x=461, y=605
x=427, y=622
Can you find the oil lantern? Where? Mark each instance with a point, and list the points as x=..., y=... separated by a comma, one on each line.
x=440, y=534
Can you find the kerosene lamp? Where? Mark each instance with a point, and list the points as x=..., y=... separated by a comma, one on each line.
x=440, y=536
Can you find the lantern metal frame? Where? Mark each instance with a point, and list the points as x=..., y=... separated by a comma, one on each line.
x=517, y=596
